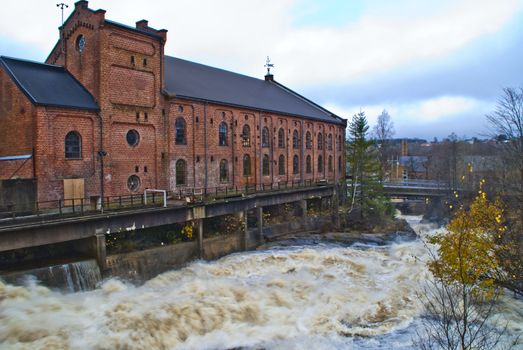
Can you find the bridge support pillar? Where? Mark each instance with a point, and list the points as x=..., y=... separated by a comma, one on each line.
x=94, y=247
x=199, y=229
x=303, y=208
x=259, y=219
x=242, y=217
x=335, y=205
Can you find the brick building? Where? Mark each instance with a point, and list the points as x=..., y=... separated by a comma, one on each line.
x=108, y=103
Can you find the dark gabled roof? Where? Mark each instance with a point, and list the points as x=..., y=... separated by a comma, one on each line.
x=48, y=85
x=186, y=79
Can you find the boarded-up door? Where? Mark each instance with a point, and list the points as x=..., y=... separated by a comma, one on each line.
x=73, y=191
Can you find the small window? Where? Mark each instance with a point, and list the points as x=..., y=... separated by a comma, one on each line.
x=246, y=165
x=132, y=60
x=281, y=138
x=144, y=169
x=181, y=172
x=132, y=137
x=137, y=116
x=308, y=140
x=339, y=164
x=180, y=109
x=330, y=164
x=223, y=114
x=145, y=62
x=224, y=171
x=295, y=140
x=308, y=165
x=222, y=134
x=329, y=142
x=265, y=165
x=246, y=136
x=133, y=183
x=320, y=141
x=320, y=164
x=179, y=125
x=73, y=145
x=80, y=43
x=145, y=116
x=136, y=169
x=281, y=165
x=265, y=137
x=295, y=165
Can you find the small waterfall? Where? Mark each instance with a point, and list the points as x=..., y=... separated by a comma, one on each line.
x=71, y=277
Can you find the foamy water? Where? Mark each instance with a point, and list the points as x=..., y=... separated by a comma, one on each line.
x=307, y=297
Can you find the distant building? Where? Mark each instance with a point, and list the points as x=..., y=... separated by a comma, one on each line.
x=109, y=95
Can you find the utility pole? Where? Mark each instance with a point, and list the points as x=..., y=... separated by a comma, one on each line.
x=62, y=6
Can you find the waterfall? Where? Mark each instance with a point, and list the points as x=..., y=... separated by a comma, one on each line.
x=70, y=277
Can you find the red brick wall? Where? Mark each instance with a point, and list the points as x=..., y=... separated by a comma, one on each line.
x=52, y=167
x=16, y=129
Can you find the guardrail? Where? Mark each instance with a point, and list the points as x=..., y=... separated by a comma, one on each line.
x=44, y=210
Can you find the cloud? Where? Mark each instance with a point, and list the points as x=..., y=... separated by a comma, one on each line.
x=238, y=34
x=427, y=118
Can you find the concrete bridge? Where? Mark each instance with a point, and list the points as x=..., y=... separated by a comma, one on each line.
x=416, y=189
x=89, y=230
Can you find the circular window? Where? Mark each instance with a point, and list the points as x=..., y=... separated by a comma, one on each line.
x=133, y=183
x=80, y=43
x=132, y=137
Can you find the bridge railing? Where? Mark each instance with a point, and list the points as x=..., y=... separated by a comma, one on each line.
x=428, y=184
x=46, y=210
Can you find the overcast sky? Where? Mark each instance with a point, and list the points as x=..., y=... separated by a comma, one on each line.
x=436, y=66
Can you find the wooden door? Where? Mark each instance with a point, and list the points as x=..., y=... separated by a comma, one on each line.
x=73, y=191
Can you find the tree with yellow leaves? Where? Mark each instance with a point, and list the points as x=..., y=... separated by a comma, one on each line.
x=461, y=298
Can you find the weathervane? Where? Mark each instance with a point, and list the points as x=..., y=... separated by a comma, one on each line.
x=62, y=6
x=268, y=65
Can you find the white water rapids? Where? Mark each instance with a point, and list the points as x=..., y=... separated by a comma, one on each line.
x=323, y=296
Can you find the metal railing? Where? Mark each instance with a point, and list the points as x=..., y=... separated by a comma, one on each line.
x=62, y=208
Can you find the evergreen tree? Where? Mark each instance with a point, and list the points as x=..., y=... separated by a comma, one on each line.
x=367, y=190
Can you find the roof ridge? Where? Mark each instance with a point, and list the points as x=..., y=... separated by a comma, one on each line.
x=216, y=68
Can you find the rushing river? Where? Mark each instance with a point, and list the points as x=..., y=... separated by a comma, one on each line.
x=324, y=296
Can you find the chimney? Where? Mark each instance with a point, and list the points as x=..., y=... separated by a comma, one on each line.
x=82, y=4
x=142, y=24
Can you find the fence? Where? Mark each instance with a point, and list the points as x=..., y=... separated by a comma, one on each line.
x=184, y=196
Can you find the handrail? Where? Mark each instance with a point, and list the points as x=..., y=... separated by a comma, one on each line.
x=72, y=207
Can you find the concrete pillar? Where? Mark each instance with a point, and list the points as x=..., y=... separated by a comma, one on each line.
x=259, y=216
x=245, y=230
x=335, y=211
x=303, y=207
x=199, y=229
x=100, y=252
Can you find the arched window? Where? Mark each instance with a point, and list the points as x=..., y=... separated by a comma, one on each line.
x=329, y=142
x=265, y=165
x=180, y=132
x=222, y=134
x=295, y=165
x=340, y=142
x=308, y=165
x=246, y=136
x=330, y=164
x=295, y=139
x=281, y=165
x=181, y=172
x=265, y=137
x=339, y=164
x=308, y=140
x=281, y=138
x=246, y=165
x=320, y=140
x=73, y=145
x=320, y=164
x=224, y=171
